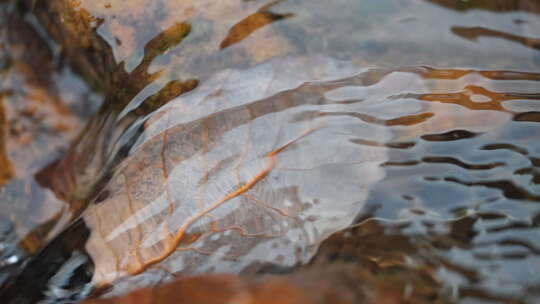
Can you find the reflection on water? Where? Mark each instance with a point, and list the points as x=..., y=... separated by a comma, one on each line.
x=237, y=134
x=488, y=181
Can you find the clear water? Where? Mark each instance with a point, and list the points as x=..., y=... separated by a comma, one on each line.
x=303, y=118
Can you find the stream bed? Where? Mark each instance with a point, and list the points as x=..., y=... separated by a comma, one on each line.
x=148, y=142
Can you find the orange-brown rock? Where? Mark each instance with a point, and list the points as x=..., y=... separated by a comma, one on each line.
x=361, y=265
x=340, y=284
x=216, y=289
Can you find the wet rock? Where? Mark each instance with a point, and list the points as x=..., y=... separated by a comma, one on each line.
x=43, y=106
x=365, y=264
x=340, y=285
x=393, y=264
x=214, y=289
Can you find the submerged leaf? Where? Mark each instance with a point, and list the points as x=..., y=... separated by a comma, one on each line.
x=234, y=175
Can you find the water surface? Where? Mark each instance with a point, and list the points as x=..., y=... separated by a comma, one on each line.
x=421, y=116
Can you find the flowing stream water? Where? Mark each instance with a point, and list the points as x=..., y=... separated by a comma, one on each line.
x=240, y=140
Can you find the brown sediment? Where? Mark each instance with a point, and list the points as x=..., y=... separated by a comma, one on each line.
x=6, y=170
x=364, y=264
